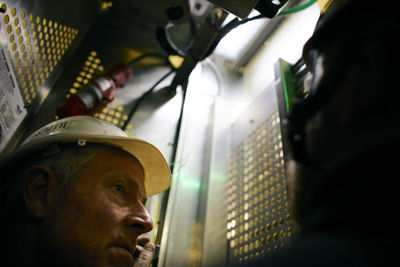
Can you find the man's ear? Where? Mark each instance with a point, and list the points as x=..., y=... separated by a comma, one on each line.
x=37, y=189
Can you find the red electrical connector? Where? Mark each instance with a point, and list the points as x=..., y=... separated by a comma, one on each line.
x=96, y=94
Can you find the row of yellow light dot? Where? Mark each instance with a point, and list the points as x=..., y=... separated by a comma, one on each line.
x=257, y=143
x=245, y=232
x=262, y=240
x=257, y=146
x=255, y=245
x=258, y=200
x=255, y=162
x=91, y=68
x=261, y=173
x=269, y=125
x=40, y=47
x=259, y=191
x=257, y=222
x=249, y=158
x=270, y=168
x=256, y=181
x=252, y=226
x=255, y=159
x=114, y=114
x=243, y=186
x=264, y=165
x=258, y=240
x=248, y=210
x=250, y=223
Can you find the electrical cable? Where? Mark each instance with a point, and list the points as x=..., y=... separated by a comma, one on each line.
x=139, y=101
x=227, y=28
x=178, y=127
x=236, y=22
x=296, y=9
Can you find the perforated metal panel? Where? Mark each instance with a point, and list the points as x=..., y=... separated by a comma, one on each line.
x=116, y=112
x=36, y=45
x=37, y=38
x=258, y=220
x=91, y=68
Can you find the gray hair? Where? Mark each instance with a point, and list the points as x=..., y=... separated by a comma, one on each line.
x=68, y=160
x=68, y=164
x=65, y=160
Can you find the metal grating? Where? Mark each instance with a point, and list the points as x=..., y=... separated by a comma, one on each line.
x=258, y=220
x=36, y=46
x=114, y=112
x=89, y=70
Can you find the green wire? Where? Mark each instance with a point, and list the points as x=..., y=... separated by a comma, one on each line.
x=298, y=8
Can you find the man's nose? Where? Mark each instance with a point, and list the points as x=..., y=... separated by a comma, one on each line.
x=139, y=219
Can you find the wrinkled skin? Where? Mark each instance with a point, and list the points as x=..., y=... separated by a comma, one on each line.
x=97, y=221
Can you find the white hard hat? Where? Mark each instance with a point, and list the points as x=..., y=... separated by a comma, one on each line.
x=86, y=129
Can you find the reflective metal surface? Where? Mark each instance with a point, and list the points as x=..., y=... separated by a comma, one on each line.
x=216, y=212
x=258, y=220
x=182, y=238
x=39, y=38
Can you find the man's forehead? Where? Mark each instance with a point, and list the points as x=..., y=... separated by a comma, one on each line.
x=119, y=164
x=109, y=152
x=121, y=159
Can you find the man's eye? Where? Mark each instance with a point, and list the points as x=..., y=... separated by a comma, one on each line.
x=119, y=188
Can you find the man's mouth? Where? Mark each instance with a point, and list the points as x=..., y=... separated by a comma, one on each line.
x=121, y=254
x=125, y=247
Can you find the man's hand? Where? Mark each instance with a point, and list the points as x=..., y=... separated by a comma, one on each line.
x=144, y=253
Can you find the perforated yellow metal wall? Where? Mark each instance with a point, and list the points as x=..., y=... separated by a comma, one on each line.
x=90, y=69
x=36, y=46
x=114, y=112
x=258, y=220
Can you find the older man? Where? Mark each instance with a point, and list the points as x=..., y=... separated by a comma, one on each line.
x=74, y=194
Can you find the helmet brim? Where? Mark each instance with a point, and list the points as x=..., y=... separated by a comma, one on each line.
x=157, y=173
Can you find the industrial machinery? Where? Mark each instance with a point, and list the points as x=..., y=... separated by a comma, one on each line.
x=153, y=68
